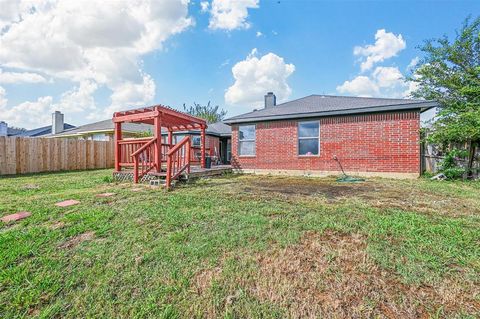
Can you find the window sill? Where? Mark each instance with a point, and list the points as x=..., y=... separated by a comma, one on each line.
x=308, y=156
x=246, y=156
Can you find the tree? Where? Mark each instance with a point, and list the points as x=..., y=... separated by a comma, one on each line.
x=207, y=112
x=450, y=74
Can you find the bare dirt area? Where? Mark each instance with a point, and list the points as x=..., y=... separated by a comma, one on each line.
x=380, y=193
x=303, y=186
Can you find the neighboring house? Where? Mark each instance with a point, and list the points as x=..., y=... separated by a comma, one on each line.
x=9, y=131
x=103, y=131
x=57, y=126
x=217, y=141
x=370, y=136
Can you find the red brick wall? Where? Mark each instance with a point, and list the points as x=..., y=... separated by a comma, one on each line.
x=384, y=142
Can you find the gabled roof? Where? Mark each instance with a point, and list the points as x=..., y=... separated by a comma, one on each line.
x=105, y=126
x=328, y=105
x=219, y=128
x=42, y=131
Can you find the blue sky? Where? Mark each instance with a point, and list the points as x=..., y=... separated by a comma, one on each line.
x=88, y=61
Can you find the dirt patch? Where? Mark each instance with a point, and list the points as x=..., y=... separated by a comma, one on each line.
x=379, y=193
x=57, y=225
x=304, y=186
x=203, y=280
x=330, y=275
x=76, y=240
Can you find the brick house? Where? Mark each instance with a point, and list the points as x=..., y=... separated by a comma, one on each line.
x=370, y=136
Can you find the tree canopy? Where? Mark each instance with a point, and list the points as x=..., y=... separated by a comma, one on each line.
x=207, y=112
x=450, y=74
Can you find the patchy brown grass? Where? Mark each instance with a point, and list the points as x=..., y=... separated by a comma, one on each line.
x=331, y=276
x=202, y=281
x=76, y=240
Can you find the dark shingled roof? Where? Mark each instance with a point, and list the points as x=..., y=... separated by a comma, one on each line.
x=42, y=131
x=328, y=105
x=14, y=131
x=219, y=128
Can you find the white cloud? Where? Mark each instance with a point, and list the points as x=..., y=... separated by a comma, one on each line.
x=225, y=63
x=259, y=34
x=3, y=99
x=230, y=14
x=129, y=95
x=204, y=5
x=92, y=43
x=78, y=99
x=382, y=82
x=359, y=86
x=386, y=77
x=386, y=45
x=37, y=112
x=256, y=76
x=22, y=77
x=413, y=63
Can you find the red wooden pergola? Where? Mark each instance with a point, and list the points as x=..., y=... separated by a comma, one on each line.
x=148, y=154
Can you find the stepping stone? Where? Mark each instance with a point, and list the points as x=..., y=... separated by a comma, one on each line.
x=137, y=189
x=105, y=195
x=67, y=203
x=15, y=217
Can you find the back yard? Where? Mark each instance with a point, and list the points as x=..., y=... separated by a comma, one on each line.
x=239, y=246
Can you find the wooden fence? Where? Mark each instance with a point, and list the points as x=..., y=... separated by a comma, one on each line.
x=20, y=155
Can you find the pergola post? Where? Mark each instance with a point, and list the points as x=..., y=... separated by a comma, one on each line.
x=157, y=123
x=170, y=137
x=202, y=138
x=118, y=150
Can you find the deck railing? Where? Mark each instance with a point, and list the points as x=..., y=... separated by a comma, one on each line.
x=128, y=147
x=178, y=160
x=144, y=159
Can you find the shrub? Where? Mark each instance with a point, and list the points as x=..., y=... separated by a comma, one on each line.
x=107, y=179
x=449, y=165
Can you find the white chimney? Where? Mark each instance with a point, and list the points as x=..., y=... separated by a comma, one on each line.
x=57, y=122
x=3, y=128
x=270, y=100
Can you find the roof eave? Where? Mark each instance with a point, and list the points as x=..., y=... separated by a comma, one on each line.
x=423, y=106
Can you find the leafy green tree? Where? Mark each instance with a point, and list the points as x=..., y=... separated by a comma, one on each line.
x=207, y=112
x=450, y=74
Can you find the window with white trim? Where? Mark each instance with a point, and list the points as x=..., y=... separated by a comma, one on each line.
x=309, y=138
x=246, y=140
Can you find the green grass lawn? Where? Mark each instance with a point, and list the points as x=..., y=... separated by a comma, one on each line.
x=238, y=247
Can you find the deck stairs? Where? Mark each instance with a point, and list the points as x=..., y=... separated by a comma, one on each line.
x=159, y=179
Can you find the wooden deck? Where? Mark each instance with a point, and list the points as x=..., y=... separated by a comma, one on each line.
x=195, y=172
